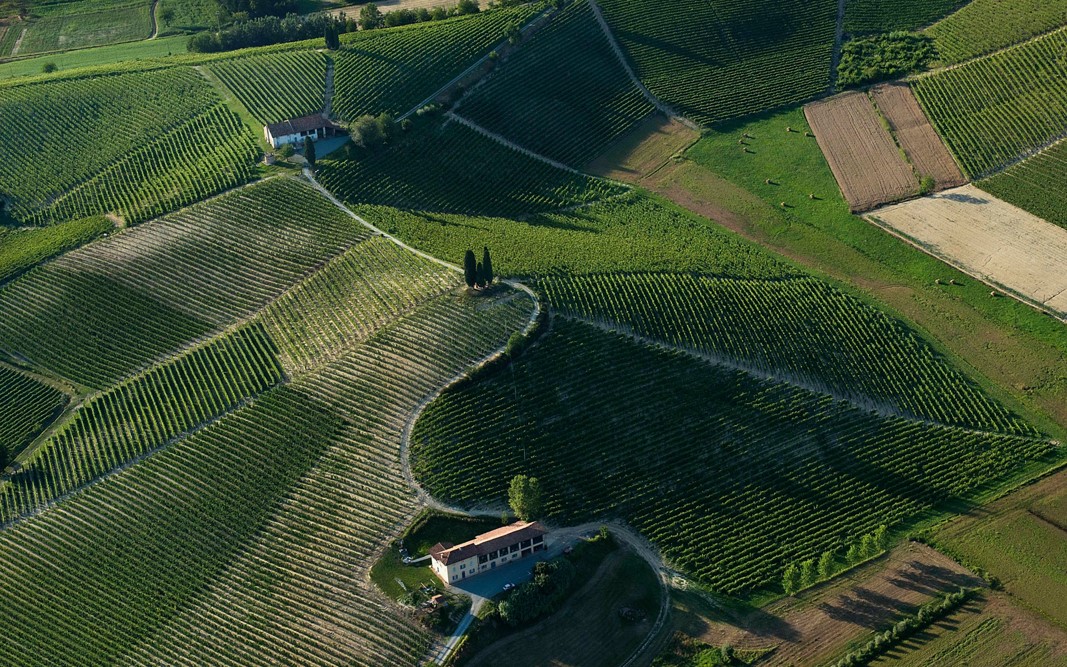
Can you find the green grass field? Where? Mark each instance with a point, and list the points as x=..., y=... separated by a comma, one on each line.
x=97, y=56
x=62, y=26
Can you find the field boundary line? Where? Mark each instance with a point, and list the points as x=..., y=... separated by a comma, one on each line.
x=983, y=56
x=621, y=57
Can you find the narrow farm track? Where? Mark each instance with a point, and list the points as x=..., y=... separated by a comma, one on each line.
x=510, y=144
x=155, y=21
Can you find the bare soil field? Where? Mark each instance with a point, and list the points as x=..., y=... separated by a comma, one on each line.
x=862, y=154
x=995, y=242
x=820, y=623
x=644, y=149
x=352, y=11
x=916, y=135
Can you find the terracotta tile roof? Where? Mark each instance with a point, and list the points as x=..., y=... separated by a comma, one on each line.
x=298, y=125
x=494, y=540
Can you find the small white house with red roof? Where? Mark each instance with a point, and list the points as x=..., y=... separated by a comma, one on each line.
x=452, y=563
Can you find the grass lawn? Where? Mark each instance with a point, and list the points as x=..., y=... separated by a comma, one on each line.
x=100, y=55
x=1015, y=352
x=395, y=578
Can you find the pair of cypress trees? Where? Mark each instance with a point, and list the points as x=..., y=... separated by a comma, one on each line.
x=475, y=273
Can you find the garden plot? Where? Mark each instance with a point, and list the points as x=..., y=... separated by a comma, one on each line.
x=990, y=239
x=860, y=151
x=916, y=135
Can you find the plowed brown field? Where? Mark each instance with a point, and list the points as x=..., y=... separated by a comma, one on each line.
x=917, y=136
x=861, y=152
x=990, y=239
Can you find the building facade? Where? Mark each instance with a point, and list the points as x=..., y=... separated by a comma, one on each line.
x=295, y=130
x=454, y=563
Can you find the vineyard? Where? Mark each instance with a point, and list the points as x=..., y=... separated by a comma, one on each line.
x=730, y=476
x=26, y=408
x=982, y=26
x=1026, y=185
x=875, y=16
x=56, y=26
x=141, y=415
x=570, y=109
x=391, y=71
x=276, y=86
x=22, y=249
x=994, y=110
x=456, y=170
x=628, y=233
x=713, y=61
x=800, y=331
x=62, y=133
x=211, y=153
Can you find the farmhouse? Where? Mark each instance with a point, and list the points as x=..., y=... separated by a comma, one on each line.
x=294, y=130
x=453, y=563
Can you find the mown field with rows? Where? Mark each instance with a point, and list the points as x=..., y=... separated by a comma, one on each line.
x=729, y=475
x=982, y=26
x=993, y=110
x=800, y=331
x=874, y=16
x=62, y=133
x=453, y=169
x=570, y=114
x=26, y=408
x=713, y=61
x=211, y=153
x=276, y=86
x=1030, y=184
x=103, y=312
x=140, y=415
x=391, y=71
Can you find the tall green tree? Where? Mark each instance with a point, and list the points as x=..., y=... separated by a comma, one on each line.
x=370, y=17
x=479, y=272
x=791, y=579
x=487, y=266
x=333, y=41
x=827, y=566
x=470, y=269
x=524, y=496
x=309, y=151
x=809, y=576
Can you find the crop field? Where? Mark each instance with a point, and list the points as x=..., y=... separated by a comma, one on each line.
x=876, y=16
x=800, y=331
x=729, y=475
x=916, y=136
x=26, y=408
x=73, y=128
x=480, y=176
x=713, y=61
x=22, y=249
x=994, y=110
x=276, y=86
x=989, y=239
x=570, y=114
x=391, y=71
x=177, y=16
x=1027, y=184
x=866, y=162
x=981, y=26
x=74, y=25
x=141, y=415
x=210, y=154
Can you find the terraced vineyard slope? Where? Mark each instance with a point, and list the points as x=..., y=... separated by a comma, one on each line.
x=731, y=476
x=874, y=16
x=1027, y=185
x=728, y=58
x=26, y=408
x=997, y=109
x=982, y=26
x=569, y=109
x=390, y=71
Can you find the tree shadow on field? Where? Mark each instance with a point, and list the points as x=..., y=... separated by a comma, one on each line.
x=961, y=198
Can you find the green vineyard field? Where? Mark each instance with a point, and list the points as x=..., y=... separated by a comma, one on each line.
x=730, y=476
x=570, y=114
x=993, y=110
x=1027, y=184
x=875, y=16
x=801, y=330
x=390, y=71
x=982, y=26
x=26, y=408
x=713, y=61
x=23, y=248
x=276, y=86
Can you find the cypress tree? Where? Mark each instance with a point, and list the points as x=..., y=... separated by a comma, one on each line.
x=309, y=151
x=479, y=273
x=470, y=269
x=487, y=265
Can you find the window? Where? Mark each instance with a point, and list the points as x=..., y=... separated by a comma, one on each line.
x=454, y=577
x=524, y=543
x=482, y=559
x=463, y=566
x=539, y=539
x=514, y=548
x=493, y=554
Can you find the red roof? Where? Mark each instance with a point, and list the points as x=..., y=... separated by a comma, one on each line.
x=297, y=125
x=494, y=540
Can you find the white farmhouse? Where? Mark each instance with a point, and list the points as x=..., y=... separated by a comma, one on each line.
x=294, y=130
x=454, y=563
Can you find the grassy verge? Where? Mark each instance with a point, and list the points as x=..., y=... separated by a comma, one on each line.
x=100, y=55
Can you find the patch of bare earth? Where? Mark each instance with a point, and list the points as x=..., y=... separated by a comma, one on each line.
x=997, y=243
x=818, y=624
x=916, y=135
x=352, y=11
x=643, y=150
x=861, y=152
